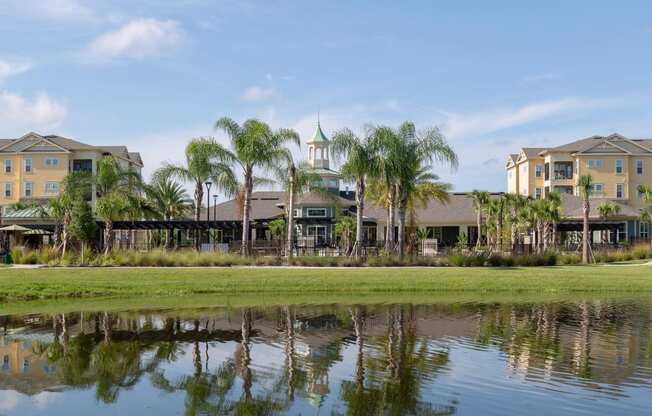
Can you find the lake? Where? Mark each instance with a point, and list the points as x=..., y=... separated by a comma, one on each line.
x=591, y=357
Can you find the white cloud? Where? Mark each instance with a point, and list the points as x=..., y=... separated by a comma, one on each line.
x=49, y=9
x=258, y=93
x=459, y=125
x=19, y=114
x=9, y=400
x=137, y=39
x=12, y=68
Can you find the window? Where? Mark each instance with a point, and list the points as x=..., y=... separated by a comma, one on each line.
x=597, y=189
x=29, y=189
x=523, y=191
x=316, y=212
x=620, y=190
x=7, y=190
x=619, y=167
x=639, y=167
x=537, y=193
x=52, y=187
x=577, y=166
x=52, y=162
x=297, y=212
x=644, y=230
x=28, y=165
x=594, y=163
x=538, y=171
x=7, y=165
x=434, y=233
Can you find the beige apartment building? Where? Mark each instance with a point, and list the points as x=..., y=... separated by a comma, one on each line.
x=617, y=164
x=34, y=166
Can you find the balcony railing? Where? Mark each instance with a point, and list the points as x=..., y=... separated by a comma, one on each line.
x=561, y=175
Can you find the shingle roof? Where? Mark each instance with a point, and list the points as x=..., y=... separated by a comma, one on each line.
x=319, y=135
x=533, y=152
x=572, y=208
x=263, y=206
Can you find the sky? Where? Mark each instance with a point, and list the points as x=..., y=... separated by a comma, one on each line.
x=492, y=76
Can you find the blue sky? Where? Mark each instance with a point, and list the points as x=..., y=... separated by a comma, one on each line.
x=493, y=76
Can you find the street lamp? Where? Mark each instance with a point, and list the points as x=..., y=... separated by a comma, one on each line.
x=208, y=208
x=215, y=218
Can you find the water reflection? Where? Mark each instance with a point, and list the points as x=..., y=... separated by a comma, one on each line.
x=360, y=360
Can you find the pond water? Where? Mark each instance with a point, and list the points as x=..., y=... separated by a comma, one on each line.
x=443, y=359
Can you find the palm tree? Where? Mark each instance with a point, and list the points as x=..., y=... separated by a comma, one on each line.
x=295, y=179
x=169, y=200
x=495, y=215
x=254, y=145
x=585, y=186
x=553, y=216
x=409, y=157
x=206, y=161
x=480, y=202
x=515, y=203
x=344, y=229
x=607, y=209
x=426, y=188
x=382, y=194
x=75, y=187
x=361, y=162
x=646, y=215
x=110, y=208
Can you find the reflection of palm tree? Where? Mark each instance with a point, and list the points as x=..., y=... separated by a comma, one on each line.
x=246, y=354
x=289, y=351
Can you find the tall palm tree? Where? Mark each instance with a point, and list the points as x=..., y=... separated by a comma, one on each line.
x=607, y=209
x=111, y=207
x=553, y=216
x=426, y=188
x=382, y=194
x=361, y=162
x=409, y=156
x=169, y=200
x=480, y=202
x=296, y=179
x=646, y=215
x=206, y=160
x=585, y=186
x=254, y=145
x=496, y=214
x=515, y=203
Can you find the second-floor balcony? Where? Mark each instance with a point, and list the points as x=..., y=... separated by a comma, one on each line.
x=562, y=171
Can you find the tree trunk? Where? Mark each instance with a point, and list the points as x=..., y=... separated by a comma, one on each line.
x=168, y=234
x=402, y=208
x=199, y=196
x=389, y=242
x=289, y=246
x=586, y=208
x=499, y=230
x=108, y=234
x=478, y=242
x=359, y=203
x=540, y=237
x=248, y=179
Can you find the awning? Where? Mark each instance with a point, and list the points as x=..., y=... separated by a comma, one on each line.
x=14, y=227
x=38, y=232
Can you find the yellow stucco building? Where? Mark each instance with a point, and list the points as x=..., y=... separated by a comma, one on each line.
x=617, y=164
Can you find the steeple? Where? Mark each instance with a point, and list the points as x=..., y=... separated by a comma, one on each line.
x=318, y=148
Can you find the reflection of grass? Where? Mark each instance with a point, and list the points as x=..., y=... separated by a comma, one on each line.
x=198, y=303
x=292, y=282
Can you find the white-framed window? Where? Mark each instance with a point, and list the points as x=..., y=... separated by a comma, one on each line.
x=297, y=212
x=28, y=165
x=597, y=189
x=51, y=187
x=639, y=167
x=538, y=193
x=577, y=166
x=594, y=163
x=52, y=162
x=538, y=171
x=8, y=165
x=619, y=166
x=8, y=190
x=29, y=189
x=316, y=212
x=434, y=233
x=620, y=190
x=644, y=229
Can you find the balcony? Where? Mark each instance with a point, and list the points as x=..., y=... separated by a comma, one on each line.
x=562, y=171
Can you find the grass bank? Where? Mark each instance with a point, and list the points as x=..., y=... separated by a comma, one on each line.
x=56, y=283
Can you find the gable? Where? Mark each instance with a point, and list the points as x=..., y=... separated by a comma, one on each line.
x=32, y=143
x=605, y=146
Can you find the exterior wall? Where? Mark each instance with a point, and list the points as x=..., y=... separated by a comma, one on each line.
x=636, y=180
x=512, y=179
x=528, y=182
x=38, y=177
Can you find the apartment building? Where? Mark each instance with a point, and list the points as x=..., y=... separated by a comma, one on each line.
x=34, y=166
x=617, y=164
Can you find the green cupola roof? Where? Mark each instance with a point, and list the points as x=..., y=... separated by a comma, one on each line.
x=319, y=135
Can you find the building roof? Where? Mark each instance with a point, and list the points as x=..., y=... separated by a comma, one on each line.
x=571, y=206
x=533, y=152
x=263, y=206
x=589, y=142
x=319, y=135
x=68, y=145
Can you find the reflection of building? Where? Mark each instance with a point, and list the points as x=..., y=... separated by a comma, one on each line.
x=23, y=370
x=617, y=165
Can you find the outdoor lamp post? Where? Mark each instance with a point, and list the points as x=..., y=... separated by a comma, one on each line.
x=208, y=208
x=215, y=217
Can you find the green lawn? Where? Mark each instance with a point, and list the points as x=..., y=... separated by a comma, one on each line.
x=21, y=284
